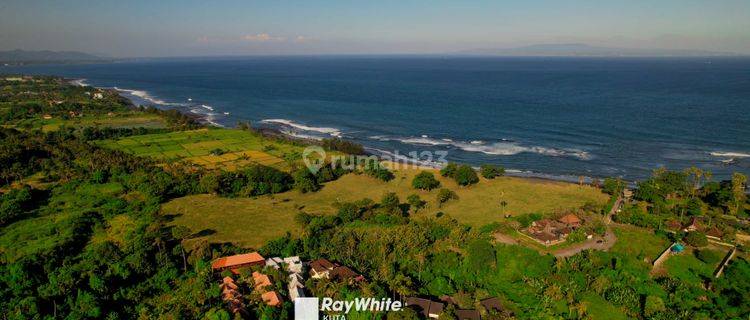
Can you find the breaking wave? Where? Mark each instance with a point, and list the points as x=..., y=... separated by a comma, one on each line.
x=291, y=124
x=205, y=111
x=397, y=157
x=502, y=148
x=79, y=82
x=147, y=97
x=729, y=154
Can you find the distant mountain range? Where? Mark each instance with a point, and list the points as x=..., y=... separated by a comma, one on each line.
x=34, y=57
x=584, y=50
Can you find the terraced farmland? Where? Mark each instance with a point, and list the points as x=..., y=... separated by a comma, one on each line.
x=213, y=148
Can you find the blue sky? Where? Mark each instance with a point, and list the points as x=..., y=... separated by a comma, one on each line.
x=194, y=28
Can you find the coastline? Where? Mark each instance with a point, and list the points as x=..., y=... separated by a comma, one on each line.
x=206, y=119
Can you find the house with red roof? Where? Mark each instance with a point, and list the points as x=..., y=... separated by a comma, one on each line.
x=235, y=262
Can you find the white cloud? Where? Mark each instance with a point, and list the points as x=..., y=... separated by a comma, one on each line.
x=302, y=39
x=262, y=37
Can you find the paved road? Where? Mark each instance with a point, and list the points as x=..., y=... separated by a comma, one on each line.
x=608, y=241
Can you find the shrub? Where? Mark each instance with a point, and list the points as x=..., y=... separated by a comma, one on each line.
x=14, y=204
x=305, y=181
x=349, y=212
x=425, y=180
x=696, y=239
x=444, y=195
x=576, y=236
x=463, y=174
x=338, y=144
x=466, y=175
x=217, y=152
x=613, y=186
x=374, y=169
x=526, y=219
x=415, y=202
x=634, y=215
x=449, y=170
x=390, y=202
x=653, y=305
x=491, y=171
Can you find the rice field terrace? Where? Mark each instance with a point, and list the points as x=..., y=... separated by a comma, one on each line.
x=212, y=148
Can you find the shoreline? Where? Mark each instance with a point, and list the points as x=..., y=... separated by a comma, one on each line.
x=277, y=133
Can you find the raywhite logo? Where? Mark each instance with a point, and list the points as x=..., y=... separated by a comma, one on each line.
x=309, y=308
x=306, y=309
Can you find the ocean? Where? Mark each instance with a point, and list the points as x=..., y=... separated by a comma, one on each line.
x=547, y=117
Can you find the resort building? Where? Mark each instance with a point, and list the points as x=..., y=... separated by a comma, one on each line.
x=296, y=286
x=271, y=298
x=231, y=296
x=550, y=232
x=295, y=267
x=274, y=262
x=261, y=280
x=293, y=264
x=234, y=263
x=262, y=285
x=321, y=268
x=468, y=315
x=570, y=220
x=428, y=308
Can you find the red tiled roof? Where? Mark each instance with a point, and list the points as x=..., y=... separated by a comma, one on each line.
x=261, y=280
x=271, y=298
x=239, y=260
x=570, y=219
x=674, y=225
x=715, y=232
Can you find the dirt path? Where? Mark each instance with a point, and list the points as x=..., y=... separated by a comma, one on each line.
x=504, y=238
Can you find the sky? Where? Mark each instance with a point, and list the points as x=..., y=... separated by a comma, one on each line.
x=166, y=28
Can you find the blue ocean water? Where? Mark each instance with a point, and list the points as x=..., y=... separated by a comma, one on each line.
x=560, y=117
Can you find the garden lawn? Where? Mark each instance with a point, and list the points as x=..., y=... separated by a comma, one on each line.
x=688, y=268
x=640, y=243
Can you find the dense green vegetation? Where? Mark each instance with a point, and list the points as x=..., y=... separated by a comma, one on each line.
x=681, y=196
x=463, y=174
x=490, y=171
x=425, y=180
x=83, y=231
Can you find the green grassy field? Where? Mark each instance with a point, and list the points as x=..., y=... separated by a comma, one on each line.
x=639, y=243
x=50, y=228
x=132, y=119
x=241, y=148
x=250, y=222
x=598, y=308
x=687, y=267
